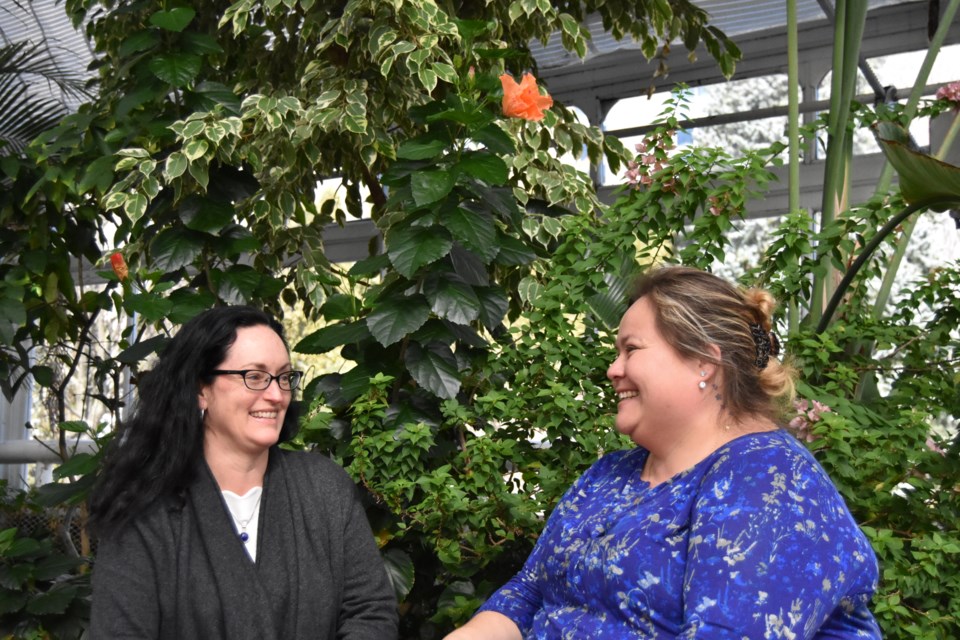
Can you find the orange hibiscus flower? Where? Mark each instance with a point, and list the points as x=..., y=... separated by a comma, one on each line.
x=523, y=100
x=119, y=266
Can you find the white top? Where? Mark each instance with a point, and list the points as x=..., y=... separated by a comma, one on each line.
x=245, y=511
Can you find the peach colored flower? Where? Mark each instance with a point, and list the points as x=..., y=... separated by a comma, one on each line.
x=523, y=100
x=119, y=266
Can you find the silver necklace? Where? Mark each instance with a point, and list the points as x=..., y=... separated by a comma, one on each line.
x=243, y=524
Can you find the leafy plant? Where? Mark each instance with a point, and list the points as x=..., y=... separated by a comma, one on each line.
x=44, y=591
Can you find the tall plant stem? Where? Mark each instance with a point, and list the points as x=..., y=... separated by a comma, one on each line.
x=849, y=20
x=793, y=132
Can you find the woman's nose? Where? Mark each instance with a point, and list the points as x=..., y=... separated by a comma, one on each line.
x=615, y=370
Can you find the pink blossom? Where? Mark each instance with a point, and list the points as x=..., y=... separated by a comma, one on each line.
x=806, y=418
x=950, y=92
x=933, y=446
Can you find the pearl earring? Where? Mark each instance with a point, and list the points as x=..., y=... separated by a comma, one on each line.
x=703, y=384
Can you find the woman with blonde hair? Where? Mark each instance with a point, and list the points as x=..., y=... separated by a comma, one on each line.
x=718, y=524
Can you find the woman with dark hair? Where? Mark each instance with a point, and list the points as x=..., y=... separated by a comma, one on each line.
x=719, y=524
x=207, y=529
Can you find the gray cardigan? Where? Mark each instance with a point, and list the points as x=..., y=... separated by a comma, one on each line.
x=179, y=571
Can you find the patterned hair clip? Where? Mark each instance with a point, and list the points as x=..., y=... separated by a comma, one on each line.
x=767, y=345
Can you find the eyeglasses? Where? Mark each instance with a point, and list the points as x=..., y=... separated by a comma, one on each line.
x=259, y=380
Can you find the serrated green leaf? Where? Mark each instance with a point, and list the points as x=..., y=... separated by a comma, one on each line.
x=393, y=320
x=514, y=252
x=434, y=368
x=475, y=230
x=54, y=601
x=452, y=299
x=411, y=248
x=483, y=166
x=333, y=336
x=493, y=305
x=175, y=248
x=495, y=139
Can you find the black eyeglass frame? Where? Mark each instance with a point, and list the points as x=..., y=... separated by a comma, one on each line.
x=293, y=378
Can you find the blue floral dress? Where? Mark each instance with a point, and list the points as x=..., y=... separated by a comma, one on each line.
x=753, y=542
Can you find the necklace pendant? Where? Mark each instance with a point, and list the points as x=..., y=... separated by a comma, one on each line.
x=243, y=536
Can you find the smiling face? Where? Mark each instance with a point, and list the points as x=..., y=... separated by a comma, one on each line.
x=238, y=419
x=657, y=389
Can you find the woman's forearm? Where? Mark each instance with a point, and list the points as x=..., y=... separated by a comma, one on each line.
x=487, y=625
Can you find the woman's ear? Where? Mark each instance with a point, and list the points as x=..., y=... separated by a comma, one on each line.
x=711, y=366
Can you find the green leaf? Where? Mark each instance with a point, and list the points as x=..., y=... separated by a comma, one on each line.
x=434, y=369
x=428, y=187
x=175, y=19
x=74, y=426
x=99, y=174
x=514, y=252
x=79, y=464
x=924, y=180
x=469, y=267
x=493, y=305
x=496, y=140
x=140, y=351
x=333, y=336
x=370, y=266
x=422, y=148
x=43, y=375
x=137, y=42
x=178, y=70
x=474, y=229
x=195, y=149
x=483, y=166
x=175, y=248
x=55, y=494
x=152, y=307
x=411, y=248
x=188, y=302
x=400, y=571
x=393, y=320
x=54, y=601
x=175, y=166
x=340, y=306
x=55, y=566
x=452, y=299
x=205, y=214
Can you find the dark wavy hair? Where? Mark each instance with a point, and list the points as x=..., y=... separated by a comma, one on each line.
x=156, y=453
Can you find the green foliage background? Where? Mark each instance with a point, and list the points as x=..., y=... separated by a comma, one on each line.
x=476, y=342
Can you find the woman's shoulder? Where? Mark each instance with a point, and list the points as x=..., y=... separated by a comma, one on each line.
x=313, y=463
x=770, y=456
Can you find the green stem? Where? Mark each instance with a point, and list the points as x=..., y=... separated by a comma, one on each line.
x=848, y=33
x=865, y=254
x=793, y=132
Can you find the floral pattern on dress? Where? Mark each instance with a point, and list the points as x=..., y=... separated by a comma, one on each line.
x=753, y=542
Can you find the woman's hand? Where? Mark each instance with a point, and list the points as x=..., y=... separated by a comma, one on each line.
x=487, y=625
